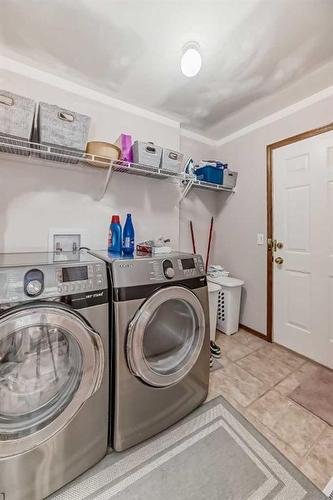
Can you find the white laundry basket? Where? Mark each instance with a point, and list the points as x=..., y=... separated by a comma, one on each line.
x=228, y=304
x=213, y=297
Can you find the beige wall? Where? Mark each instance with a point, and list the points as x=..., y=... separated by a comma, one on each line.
x=195, y=149
x=242, y=215
x=199, y=205
x=35, y=198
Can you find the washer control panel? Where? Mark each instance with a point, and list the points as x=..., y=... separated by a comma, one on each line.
x=82, y=278
x=53, y=280
x=34, y=282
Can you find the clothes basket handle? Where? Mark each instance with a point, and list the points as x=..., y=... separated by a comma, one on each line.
x=67, y=117
x=6, y=100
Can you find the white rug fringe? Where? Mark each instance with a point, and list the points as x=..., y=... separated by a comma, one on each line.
x=328, y=490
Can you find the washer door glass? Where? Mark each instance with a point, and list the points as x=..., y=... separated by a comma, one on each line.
x=46, y=354
x=40, y=370
x=166, y=336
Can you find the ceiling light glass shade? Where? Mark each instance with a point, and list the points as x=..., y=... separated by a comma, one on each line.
x=191, y=61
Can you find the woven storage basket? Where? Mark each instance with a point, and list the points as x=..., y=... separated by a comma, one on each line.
x=171, y=161
x=147, y=153
x=17, y=115
x=65, y=131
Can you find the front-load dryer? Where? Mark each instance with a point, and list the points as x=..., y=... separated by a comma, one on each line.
x=160, y=334
x=54, y=371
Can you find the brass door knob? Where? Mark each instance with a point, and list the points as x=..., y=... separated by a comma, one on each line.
x=279, y=260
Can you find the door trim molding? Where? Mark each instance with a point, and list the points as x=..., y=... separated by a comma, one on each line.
x=269, y=166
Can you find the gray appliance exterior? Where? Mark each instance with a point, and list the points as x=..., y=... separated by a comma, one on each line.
x=141, y=410
x=81, y=442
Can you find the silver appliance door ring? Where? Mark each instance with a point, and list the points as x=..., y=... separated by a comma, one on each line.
x=92, y=351
x=136, y=360
x=100, y=359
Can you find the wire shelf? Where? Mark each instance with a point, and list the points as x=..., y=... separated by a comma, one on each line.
x=60, y=156
x=207, y=185
x=69, y=159
x=214, y=187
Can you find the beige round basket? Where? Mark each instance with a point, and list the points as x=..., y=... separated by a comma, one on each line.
x=103, y=152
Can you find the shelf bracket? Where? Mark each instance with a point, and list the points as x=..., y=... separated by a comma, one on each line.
x=107, y=180
x=188, y=185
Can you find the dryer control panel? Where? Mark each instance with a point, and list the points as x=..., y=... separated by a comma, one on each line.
x=147, y=270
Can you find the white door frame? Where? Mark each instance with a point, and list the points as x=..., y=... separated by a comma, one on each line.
x=270, y=230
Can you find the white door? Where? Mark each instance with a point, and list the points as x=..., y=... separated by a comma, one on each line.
x=303, y=224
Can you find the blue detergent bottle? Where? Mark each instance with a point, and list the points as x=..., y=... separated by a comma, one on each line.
x=128, y=236
x=115, y=235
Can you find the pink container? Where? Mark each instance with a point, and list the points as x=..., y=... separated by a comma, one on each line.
x=124, y=142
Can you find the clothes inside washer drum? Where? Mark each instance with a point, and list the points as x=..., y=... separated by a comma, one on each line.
x=40, y=368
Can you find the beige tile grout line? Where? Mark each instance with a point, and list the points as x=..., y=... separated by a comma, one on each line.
x=317, y=440
x=302, y=459
x=305, y=360
x=249, y=373
x=246, y=407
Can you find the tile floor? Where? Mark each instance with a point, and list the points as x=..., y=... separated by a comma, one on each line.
x=256, y=379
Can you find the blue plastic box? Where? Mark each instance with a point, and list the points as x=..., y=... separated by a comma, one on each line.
x=209, y=173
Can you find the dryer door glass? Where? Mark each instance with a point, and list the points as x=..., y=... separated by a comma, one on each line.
x=166, y=336
x=46, y=354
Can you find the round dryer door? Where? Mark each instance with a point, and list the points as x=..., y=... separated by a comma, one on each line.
x=166, y=336
x=51, y=362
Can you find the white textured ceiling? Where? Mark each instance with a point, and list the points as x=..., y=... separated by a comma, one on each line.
x=258, y=55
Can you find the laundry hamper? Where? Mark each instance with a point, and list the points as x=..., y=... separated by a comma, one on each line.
x=213, y=299
x=228, y=304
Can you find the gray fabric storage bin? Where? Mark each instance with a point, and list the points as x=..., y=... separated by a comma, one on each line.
x=17, y=115
x=171, y=160
x=229, y=178
x=147, y=153
x=63, y=130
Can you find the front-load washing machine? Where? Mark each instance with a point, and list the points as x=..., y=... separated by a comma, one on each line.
x=160, y=333
x=54, y=372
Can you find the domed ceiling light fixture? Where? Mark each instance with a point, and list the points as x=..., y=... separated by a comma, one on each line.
x=191, y=59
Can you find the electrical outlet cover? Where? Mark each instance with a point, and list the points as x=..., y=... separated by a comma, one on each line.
x=260, y=239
